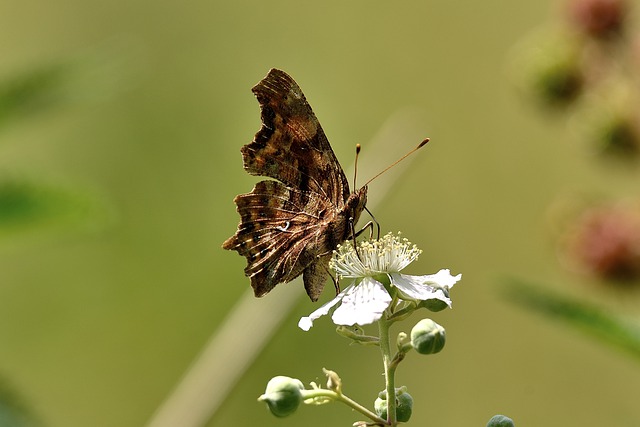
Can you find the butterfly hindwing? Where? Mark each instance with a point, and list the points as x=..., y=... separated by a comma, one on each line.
x=277, y=230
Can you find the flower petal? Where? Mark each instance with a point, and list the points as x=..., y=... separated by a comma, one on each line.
x=306, y=323
x=362, y=304
x=443, y=278
x=431, y=286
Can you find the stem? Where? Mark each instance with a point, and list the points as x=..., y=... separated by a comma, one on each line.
x=389, y=371
x=360, y=339
x=310, y=394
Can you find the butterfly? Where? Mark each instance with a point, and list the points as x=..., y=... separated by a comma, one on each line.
x=291, y=224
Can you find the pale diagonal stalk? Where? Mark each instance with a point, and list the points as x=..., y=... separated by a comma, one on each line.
x=215, y=371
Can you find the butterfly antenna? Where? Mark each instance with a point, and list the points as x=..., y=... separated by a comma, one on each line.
x=422, y=144
x=355, y=165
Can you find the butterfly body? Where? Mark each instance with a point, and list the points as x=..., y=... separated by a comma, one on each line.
x=290, y=225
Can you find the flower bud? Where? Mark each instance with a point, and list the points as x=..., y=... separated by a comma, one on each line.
x=548, y=68
x=600, y=19
x=427, y=337
x=605, y=241
x=334, y=383
x=283, y=395
x=559, y=84
x=618, y=136
x=500, y=421
x=404, y=405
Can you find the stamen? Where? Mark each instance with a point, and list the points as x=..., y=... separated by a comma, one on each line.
x=390, y=254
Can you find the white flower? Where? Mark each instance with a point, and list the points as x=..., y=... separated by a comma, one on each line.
x=365, y=298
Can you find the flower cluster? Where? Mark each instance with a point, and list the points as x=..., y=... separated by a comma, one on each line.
x=588, y=64
x=376, y=291
x=375, y=284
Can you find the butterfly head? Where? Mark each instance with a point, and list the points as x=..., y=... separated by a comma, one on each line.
x=356, y=202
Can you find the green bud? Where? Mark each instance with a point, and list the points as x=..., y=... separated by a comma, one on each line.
x=500, y=421
x=559, y=83
x=404, y=405
x=283, y=395
x=617, y=136
x=427, y=337
x=549, y=68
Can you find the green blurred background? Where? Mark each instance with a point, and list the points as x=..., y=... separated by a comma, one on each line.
x=99, y=322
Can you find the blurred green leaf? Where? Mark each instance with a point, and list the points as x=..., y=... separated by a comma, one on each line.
x=596, y=322
x=96, y=75
x=13, y=411
x=25, y=205
x=32, y=91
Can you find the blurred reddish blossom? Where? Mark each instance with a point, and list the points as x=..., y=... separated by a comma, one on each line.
x=605, y=241
x=599, y=18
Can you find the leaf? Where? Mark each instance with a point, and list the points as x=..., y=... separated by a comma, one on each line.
x=32, y=91
x=609, y=328
x=94, y=76
x=13, y=411
x=26, y=206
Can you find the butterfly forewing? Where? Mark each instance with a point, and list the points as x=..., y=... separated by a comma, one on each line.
x=291, y=227
x=291, y=145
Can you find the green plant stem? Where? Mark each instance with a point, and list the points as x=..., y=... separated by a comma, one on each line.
x=389, y=371
x=310, y=394
x=357, y=338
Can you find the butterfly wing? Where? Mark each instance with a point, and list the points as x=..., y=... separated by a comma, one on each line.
x=291, y=226
x=278, y=234
x=291, y=145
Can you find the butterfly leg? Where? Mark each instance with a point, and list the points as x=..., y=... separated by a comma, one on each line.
x=334, y=279
x=336, y=284
x=369, y=226
x=374, y=220
x=353, y=236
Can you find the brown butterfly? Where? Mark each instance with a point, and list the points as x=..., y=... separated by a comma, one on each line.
x=291, y=226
